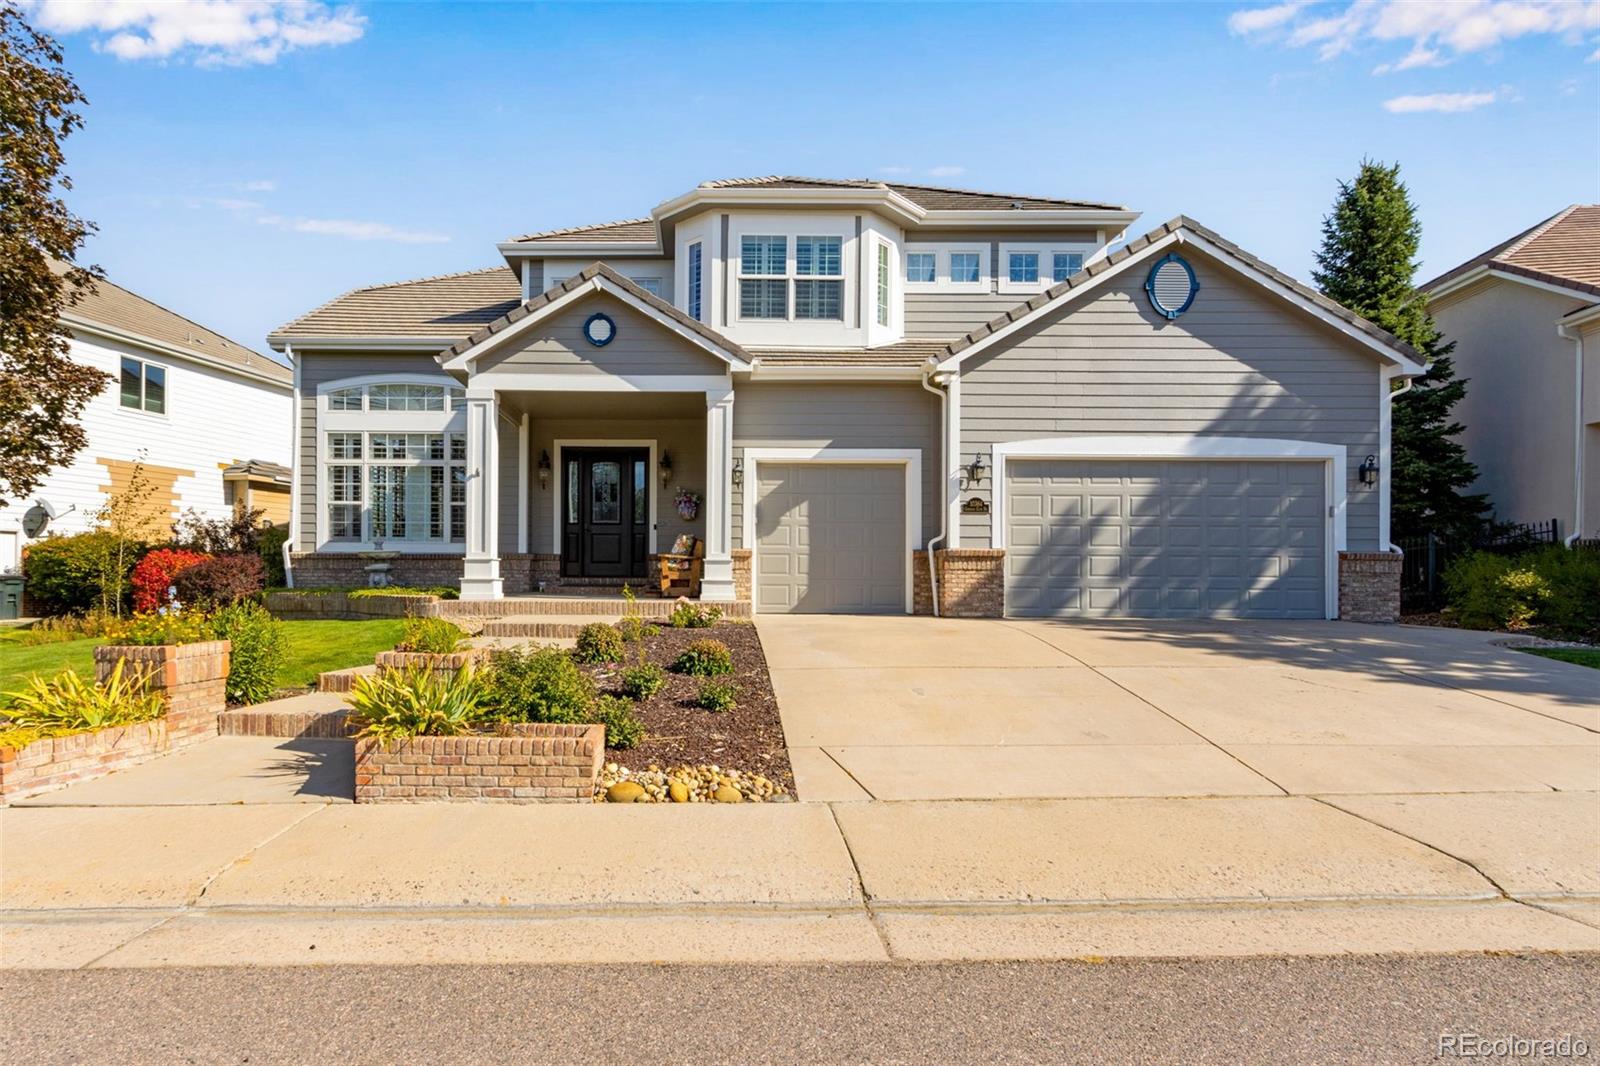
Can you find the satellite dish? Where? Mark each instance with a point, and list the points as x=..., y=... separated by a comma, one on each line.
x=35, y=521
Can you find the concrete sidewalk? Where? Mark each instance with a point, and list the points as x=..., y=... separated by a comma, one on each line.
x=297, y=883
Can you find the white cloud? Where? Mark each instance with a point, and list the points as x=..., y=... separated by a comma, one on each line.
x=229, y=204
x=353, y=230
x=1594, y=57
x=1448, y=103
x=210, y=33
x=894, y=170
x=262, y=185
x=946, y=170
x=1435, y=31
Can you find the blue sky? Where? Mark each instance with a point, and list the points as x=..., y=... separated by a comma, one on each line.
x=248, y=163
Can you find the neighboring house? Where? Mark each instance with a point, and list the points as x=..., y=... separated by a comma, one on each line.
x=1525, y=319
x=187, y=402
x=850, y=373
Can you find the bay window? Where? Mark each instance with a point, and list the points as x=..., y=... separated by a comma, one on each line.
x=763, y=271
x=883, y=284
x=819, y=281
x=816, y=280
x=695, y=274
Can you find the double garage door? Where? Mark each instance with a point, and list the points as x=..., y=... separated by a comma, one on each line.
x=1165, y=539
x=830, y=538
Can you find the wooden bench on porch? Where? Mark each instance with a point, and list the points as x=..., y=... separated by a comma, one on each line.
x=682, y=567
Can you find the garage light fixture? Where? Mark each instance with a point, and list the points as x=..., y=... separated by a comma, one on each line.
x=738, y=473
x=1369, y=471
x=974, y=470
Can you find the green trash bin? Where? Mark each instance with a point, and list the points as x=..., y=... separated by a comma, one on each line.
x=10, y=596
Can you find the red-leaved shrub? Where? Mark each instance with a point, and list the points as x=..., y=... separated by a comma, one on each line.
x=156, y=573
x=221, y=581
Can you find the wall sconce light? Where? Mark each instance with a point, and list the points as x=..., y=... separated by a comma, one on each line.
x=738, y=473
x=544, y=470
x=974, y=471
x=1369, y=471
x=665, y=468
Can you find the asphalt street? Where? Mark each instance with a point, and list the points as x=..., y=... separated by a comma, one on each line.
x=1339, y=1009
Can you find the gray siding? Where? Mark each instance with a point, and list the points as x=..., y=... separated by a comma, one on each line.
x=1238, y=363
x=947, y=315
x=684, y=438
x=642, y=346
x=318, y=368
x=838, y=416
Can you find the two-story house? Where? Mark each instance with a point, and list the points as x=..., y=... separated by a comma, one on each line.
x=844, y=381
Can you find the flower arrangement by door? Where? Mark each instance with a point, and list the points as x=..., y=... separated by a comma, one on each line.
x=688, y=504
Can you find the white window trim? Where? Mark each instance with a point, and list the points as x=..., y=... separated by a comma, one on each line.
x=1334, y=458
x=910, y=458
x=883, y=283
x=1046, y=251
x=694, y=289
x=792, y=276
x=166, y=383
x=378, y=422
x=559, y=483
x=941, y=268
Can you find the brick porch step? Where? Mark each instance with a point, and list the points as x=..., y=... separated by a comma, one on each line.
x=544, y=626
x=342, y=680
x=316, y=714
x=608, y=608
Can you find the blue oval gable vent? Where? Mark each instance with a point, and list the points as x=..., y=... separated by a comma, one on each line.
x=1171, y=285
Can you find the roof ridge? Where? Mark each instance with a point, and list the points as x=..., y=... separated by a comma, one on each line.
x=982, y=192
x=431, y=277
x=723, y=183
x=540, y=234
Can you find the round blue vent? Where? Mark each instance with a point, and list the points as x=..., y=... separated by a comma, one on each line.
x=1171, y=285
x=599, y=330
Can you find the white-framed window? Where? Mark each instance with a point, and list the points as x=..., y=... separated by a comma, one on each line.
x=143, y=386
x=649, y=284
x=398, y=396
x=1064, y=265
x=883, y=284
x=695, y=274
x=946, y=267
x=1022, y=268
x=416, y=487
x=819, y=278
x=763, y=276
x=1029, y=268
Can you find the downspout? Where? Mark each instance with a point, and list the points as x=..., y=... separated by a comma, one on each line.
x=944, y=479
x=1394, y=394
x=1577, y=434
x=294, y=471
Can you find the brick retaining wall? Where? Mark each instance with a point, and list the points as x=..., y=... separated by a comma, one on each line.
x=1369, y=586
x=537, y=763
x=294, y=604
x=972, y=582
x=247, y=722
x=193, y=679
x=55, y=762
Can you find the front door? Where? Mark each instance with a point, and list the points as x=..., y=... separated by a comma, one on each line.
x=606, y=494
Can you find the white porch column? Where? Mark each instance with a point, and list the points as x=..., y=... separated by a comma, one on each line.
x=717, y=581
x=480, y=579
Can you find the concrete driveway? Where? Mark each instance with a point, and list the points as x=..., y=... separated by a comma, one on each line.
x=919, y=709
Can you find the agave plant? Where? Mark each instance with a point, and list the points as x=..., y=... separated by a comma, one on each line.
x=416, y=702
x=67, y=703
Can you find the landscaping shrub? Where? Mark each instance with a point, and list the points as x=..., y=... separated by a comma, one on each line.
x=67, y=627
x=260, y=650
x=544, y=685
x=438, y=636
x=417, y=702
x=623, y=727
x=689, y=615
x=704, y=658
x=272, y=539
x=238, y=534
x=163, y=626
x=67, y=703
x=1488, y=591
x=157, y=572
x=635, y=630
x=598, y=643
x=642, y=681
x=1573, y=577
x=69, y=574
x=717, y=695
x=221, y=581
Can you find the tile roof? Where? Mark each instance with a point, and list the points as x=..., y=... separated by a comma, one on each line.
x=1139, y=244
x=929, y=197
x=448, y=305
x=629, y=229
x=578, y=280
x=909, y=353
x=114, y=307
x=1563, y=250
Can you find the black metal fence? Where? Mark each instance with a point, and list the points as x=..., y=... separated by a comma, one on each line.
x=1422, y=574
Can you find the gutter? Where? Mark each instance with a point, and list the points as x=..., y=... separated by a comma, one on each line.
x=1394, y=394
x=944, y=476
x=1576, y=337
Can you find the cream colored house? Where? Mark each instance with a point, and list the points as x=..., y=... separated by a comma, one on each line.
x=840, y=387
x=1525, y=318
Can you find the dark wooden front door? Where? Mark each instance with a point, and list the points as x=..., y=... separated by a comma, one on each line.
x=606, y=501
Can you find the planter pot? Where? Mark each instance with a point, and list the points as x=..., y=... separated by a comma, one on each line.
x=688, y=511
x=55, y=762
x=535, y=763
x=193, y=679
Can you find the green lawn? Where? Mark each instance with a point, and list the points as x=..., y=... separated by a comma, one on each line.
x=313, y=648
x=1582, y=656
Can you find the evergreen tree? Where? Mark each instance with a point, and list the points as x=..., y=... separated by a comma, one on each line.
x=1367, y=262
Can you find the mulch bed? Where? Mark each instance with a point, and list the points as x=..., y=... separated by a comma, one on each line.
x=749, y=737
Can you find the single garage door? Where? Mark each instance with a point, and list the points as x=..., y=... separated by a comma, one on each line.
x=1165, y=539
x=830, y=537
